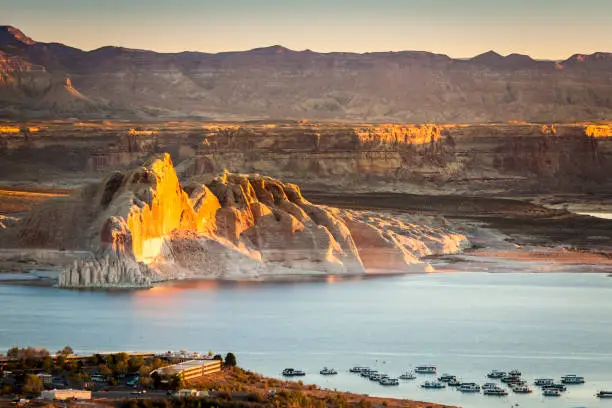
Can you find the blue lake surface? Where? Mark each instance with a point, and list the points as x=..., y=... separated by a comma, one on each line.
x=545, y=325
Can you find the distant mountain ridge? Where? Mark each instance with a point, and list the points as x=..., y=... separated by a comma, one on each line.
x=276, y=82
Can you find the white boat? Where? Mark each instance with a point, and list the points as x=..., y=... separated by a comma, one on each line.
x=328, y=371
x=489, y=386
x=496, y=374
x=407, y=376
x=522, y=389
x=541, y=382
x=604, y=394
x=290, y=372
x=375, y=377
x=552, y=392
x=510, y=379
x=469, y=387
x=425, y=370
x=389, y=381
x=495, y=391
x=514, y=373
x=358, y=369
x=558, y=387
x=433, y=385
x=572, y=379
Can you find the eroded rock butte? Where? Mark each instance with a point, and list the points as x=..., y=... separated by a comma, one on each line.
x=143, y=226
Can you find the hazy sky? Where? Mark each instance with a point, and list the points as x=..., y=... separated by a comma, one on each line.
x=552, y=29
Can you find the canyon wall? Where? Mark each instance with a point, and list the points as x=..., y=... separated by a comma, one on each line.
x=143, y=226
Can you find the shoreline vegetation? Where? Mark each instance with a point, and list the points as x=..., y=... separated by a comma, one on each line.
x=124, y=380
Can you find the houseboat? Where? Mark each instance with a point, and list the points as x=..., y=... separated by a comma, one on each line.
x=433, y=385
x=328, y=371
x=454, y=383
x=446, y=378
x=375, y=377
x=510, y=379
x=357, y=369
x=290, y=372
x=500, y=392
x=469, y=387
x=559, y=387
x=496, y=374
x=426, y=370
x=541, y=382
x=409, y=375
x=572, y=379
x=514, y=373
x=389, y=381
x=551, y=392
x=367, y=372
x=604, y=394
x=522, y=389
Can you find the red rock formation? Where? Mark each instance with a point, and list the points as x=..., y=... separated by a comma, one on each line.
x=142, y=226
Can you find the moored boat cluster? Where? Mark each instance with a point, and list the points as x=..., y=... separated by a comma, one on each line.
x=512, y=379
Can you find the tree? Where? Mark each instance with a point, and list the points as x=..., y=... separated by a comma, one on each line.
x=145, y=382
x=77, y=378
x=230, y=360
x=60, y=361
x=13, y=352
x=157, y=363
x=32, y=384
x=157, y=380
x=47, y=363
x=218, y=357
x=104, y=370
x=176, y=382
x=135, y=363
x=121, y=367
x=144, y=371
x=66, y=351
x=122, y=357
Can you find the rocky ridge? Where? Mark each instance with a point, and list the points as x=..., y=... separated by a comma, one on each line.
x=143, y=226
x=275, y=82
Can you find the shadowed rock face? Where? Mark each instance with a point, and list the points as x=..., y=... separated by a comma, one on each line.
x=276, y=82
x=142, y=226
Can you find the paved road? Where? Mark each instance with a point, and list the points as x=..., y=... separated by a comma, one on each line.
x=127, y=394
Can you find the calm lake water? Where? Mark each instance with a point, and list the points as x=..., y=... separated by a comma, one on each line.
x=545, y=325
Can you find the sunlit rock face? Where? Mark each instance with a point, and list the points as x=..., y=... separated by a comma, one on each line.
x=143, y=226
x=598, y=131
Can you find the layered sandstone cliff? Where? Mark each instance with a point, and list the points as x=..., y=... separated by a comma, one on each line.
x=143, y=226
x=487, y=158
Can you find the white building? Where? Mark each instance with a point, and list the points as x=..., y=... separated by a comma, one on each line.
x=65, y=394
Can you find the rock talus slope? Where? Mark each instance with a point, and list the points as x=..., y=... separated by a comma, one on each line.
x=143, y=226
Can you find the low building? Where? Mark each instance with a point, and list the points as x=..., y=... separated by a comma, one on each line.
x=65, y=394
x=191, y=369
